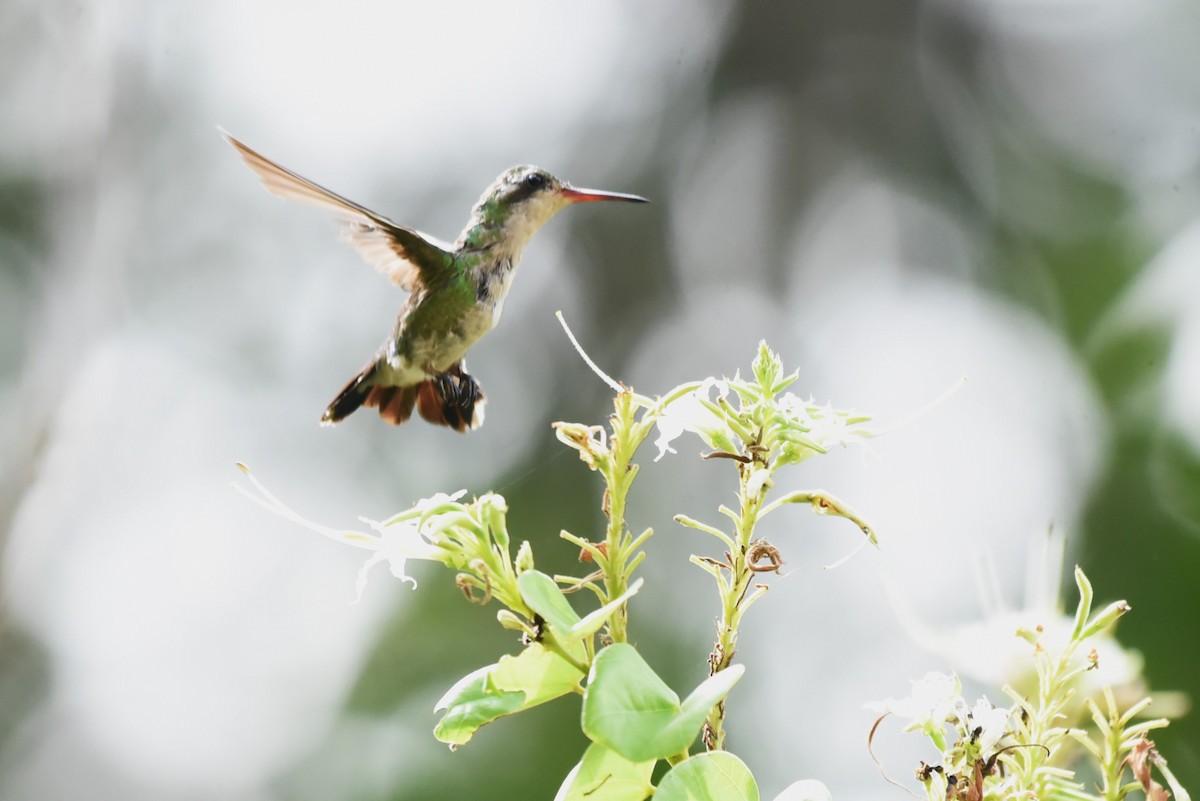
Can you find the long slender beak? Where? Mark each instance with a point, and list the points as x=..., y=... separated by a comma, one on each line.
x=591, y=195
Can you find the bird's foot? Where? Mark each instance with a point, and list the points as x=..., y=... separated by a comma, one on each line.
x=459, y=393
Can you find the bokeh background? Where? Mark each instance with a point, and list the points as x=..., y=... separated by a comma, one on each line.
x=893, y=193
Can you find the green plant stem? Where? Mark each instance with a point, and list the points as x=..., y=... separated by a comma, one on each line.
x=627, y=435
x=682, y=756
x=1112, y=764
x=614, y=576
x=736, y=599
x=1054, y=693
x=551, y=644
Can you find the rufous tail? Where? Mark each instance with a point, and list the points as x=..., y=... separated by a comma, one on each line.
x=452, y=398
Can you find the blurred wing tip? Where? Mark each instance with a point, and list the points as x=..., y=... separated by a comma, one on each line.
x=233, y=140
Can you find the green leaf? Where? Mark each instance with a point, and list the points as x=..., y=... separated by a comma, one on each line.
x=513, y=684
x=767, y=367
x=540, y=674
x=713, y=776
x=605, y=775
x=628, y=708
x=592, y=622
x=710, y=693
x=544, y=596
x=470, y=704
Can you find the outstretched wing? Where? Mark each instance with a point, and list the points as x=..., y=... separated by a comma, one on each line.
x=407, y=257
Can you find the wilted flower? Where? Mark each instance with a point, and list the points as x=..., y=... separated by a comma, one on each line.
x=590, y=441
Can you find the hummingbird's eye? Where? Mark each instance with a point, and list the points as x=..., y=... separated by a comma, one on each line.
x=535, y=180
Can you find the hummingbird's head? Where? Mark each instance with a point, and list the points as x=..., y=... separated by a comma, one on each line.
x=523, y=198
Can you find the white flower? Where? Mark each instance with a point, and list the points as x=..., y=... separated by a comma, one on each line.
x=688, y=413
x=395, y=545
x=418, y=511
x=987, y=650
x=933, y=700
x=824, y=425
x=395, y=541
x=993, y=722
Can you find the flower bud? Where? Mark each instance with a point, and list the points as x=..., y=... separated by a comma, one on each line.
x=1105, y=618
x=524, y=560
x=767, y=368
x=511, y=621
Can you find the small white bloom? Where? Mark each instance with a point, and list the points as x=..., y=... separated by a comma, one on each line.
x=395, y=544
x=824, y=425
x=396, y=540
x=688, y=413
x=987, y=651
x=418, y=511
x=670, y=427
x=933, y=700
x=993, y=723
x=437, y=499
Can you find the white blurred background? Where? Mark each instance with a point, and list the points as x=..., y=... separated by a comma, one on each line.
x=892, y=194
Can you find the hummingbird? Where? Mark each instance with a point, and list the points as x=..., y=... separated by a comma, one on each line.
x=456, y=291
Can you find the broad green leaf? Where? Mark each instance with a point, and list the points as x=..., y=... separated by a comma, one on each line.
x=544, y=597
x=470, y=704
x=462, y=686
x=540, y=674
x=605, y=775
x=710, y=693
x=628, y=708
x=515, y=683
x=806, y=790
x=713, y=776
